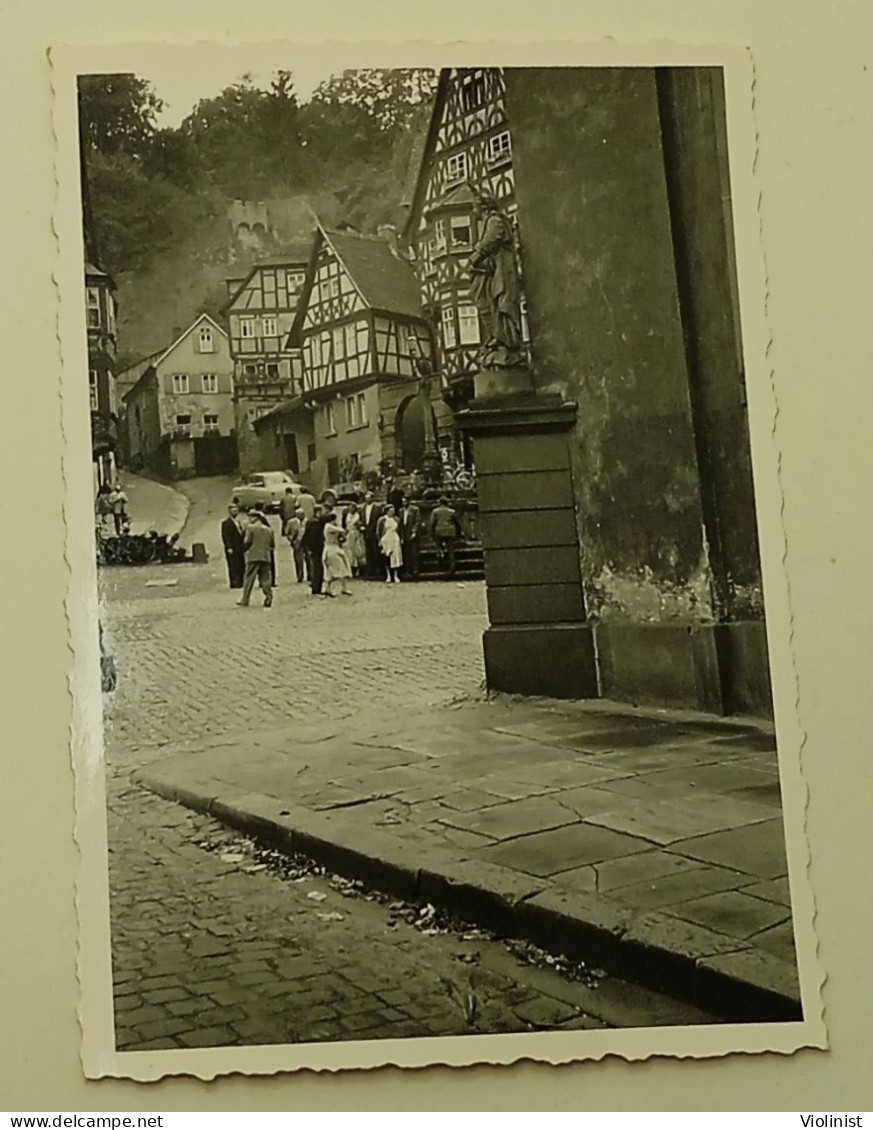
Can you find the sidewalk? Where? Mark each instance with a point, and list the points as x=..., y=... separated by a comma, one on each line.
x=154, y=505
x=649, y=843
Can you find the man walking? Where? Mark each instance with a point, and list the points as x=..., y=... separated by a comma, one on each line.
x=233, y=540
x=410, y=528
x=371, y=512
x=260, y=546
x=292, y=530
x=445, y=530
x=306, y=502
x=287, y=507
x=118, y=499
x=313, y=546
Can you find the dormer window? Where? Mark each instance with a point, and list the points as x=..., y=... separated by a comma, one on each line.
x=472, y=91
x=207, y=344
x=461, y=231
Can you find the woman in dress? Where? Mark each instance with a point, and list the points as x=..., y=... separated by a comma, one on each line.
x=355, y=549
x=336, y=564
x=389, y=543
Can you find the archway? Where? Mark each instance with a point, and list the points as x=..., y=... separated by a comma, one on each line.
x=409, y=433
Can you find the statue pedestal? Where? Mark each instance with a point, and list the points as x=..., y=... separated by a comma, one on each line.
x=489, y=384
x=538, y=642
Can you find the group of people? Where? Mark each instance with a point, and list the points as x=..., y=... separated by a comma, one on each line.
x=112, y=512
x=368, y=540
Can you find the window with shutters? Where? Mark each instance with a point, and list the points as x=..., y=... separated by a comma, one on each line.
x=180, y=384
x=209, y=382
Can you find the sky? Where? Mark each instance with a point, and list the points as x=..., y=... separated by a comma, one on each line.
x=180, y=88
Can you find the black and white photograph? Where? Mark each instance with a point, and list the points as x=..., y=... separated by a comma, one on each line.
x=433, y=565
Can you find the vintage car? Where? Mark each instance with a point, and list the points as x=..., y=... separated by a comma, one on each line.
x=264, y=490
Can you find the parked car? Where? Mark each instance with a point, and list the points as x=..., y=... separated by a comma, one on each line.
x=264, y=490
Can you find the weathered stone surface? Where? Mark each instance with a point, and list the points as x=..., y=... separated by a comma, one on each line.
x=514, y=818
x=732, y=913
x=758, y=849
x=665, y=821
x=563, y=849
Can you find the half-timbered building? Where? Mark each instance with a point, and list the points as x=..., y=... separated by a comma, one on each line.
x=358, y=330
x=100, y=319
x=468, y=144
x=259, y=313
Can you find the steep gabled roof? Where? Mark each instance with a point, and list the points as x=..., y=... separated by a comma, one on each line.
x=297, y=255
x=425, y=153
x=384, y=280
x=200, y=318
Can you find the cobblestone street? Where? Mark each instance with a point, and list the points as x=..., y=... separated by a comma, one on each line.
x=211, y=944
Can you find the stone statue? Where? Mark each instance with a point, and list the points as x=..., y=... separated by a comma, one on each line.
x=495, y=286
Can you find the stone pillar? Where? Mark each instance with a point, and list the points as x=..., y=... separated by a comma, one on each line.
x=538, y=641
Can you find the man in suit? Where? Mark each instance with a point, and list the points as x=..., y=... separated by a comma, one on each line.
x=312, y=541
x=445, y=529
x=409, y=517
x=292, y=530
x=371, y=512
x=287, y=506
x=232, y=537
x=260, y=545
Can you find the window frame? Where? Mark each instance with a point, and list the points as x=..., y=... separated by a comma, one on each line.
x=465, y=222
x=180, y=379
x=205, y=340
x=210, y=420
x=269, y=326
x=94, y=389
x=461, y=164
x=468, y=315
x=247, y=324
x=209, y=379
x=503, y=152
x=449, y=327
x=330, y=420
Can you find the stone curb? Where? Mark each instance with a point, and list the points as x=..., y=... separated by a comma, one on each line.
x=706, y=970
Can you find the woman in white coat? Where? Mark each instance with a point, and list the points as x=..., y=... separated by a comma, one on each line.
x=389, y=543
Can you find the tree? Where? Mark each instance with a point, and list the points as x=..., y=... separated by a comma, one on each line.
x=117, y=114
x=389, y=96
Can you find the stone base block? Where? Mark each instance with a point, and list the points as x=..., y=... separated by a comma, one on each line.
x=661, y=665
x=552, y=660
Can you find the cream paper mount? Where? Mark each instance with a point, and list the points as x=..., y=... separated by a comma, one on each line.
x=100, y=1056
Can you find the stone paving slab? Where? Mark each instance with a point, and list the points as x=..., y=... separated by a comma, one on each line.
x=666, y=852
